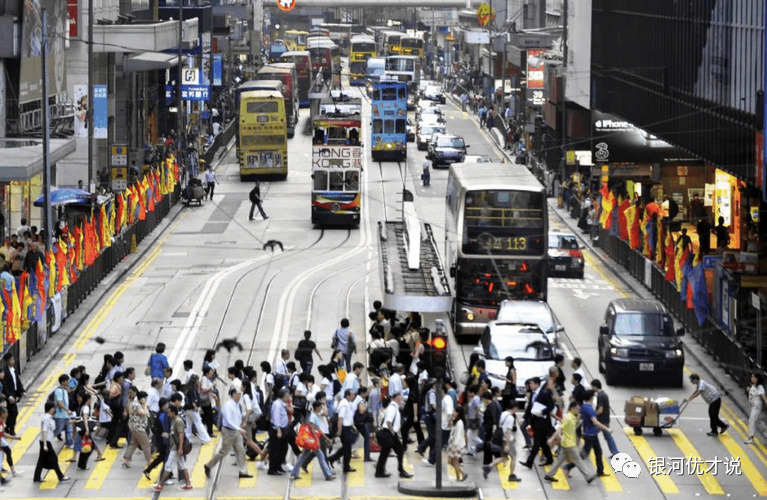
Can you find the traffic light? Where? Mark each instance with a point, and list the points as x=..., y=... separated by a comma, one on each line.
x=439, y=352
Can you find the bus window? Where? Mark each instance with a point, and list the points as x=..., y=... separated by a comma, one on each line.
x=336, y=181
x=352, y=181
x=320, y=180
x=354, y=137
x=378, y=126
x=336, y=135
x=262, y=107
x=401, y=128
x=401, y=92
x=389, y=94
x=388, y=126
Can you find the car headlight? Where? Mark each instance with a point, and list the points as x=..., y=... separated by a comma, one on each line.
x=470, y=316
x=676, y=353
x=619, y=352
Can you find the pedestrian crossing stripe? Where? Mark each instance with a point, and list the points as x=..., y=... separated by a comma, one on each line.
x=503, y=472
x=609, y=481
x=561, y=483
x=99, y=474
x=665, y=483
x=51, y=479
x=197, y=474
x=21, y=446
x=248, y=482
x=408, y=466
x=305, y=480
x=145, y=483
x=709, y=482
x=741, y=428
x=756, y=479
x=356, y=479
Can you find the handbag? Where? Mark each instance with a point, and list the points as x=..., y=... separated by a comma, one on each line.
x=187, y=447
x=306, y=439
x=86, y=445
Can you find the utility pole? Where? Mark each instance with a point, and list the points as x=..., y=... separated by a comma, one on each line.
x=90, y=95
x=563, y=171
x=180, y=135
x=47, y=219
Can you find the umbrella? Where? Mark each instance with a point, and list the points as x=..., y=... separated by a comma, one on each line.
x=66, y=196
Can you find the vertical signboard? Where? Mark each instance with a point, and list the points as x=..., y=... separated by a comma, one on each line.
x=100, y=112
x=30, y=84
x=536, y=78
x=218, y=69
x=81, y=110
x=73, y=20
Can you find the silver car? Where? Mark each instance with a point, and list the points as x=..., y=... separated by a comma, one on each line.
x=425, y=133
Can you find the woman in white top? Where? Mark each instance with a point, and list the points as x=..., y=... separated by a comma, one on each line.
x=757, y=399
x=456, y=444
x=251, y=412
x=326, y=386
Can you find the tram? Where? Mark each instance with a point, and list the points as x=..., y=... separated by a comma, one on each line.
x=388, y=103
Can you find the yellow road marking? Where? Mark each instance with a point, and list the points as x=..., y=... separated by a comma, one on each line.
x=741, y=428
x=51, y=479
x=610, y=481
x=248, y=482
x=561, y=483
x=606, y=277
x=99, y=474
x=710, y=484
x=665, y=483
x=305, y=480
x=408, y=466
x=203, y=457
x=503, y=471
x=145, y=483
x=450, y=471
x=356, y=479
x=21, y=446
x=41, y=395
x=756, y=479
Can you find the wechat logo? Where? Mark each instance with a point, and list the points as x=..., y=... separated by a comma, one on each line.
x=622, y=462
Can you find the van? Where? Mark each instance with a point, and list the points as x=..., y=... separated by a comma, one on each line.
x=637, y=340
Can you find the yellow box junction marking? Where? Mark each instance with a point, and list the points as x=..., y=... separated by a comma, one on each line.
x=356, y=479
x=51, y=479
x=665, y=483
x=709, y=482
x=756, y=479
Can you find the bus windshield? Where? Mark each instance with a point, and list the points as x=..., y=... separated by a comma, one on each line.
x=262, y=107
x=504, y=222
x=340, y=180
x=397, y=64
x=363, y=47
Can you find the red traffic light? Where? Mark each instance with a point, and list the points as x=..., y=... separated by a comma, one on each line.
x=439, y=343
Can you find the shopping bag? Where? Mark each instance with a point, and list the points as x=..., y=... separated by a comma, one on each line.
x=306, y=439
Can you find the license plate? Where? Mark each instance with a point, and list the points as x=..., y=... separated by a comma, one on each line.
x=560, y=268
x=646, y=367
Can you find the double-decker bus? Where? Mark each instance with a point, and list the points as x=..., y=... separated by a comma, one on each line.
x=340, y=33
x=263, y=140
x=287, y=74
x=391, y=43
x=337, y=163
x=326, y=58
x=496, y=241
x=361, y=49
x=412, y=46
x=303, y=61
x=388, y=104
x=295, y=39
x=405, y=69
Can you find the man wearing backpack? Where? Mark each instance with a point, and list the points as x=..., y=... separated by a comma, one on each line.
x=60, y=397
x=255, y=201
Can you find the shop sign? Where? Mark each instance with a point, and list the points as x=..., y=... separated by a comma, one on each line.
x=72, y=14
x=485, y=15
x=536, y=78
x=570, y=155
x=286, y=5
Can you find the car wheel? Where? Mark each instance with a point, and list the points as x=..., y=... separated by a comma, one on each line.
x=580, y=275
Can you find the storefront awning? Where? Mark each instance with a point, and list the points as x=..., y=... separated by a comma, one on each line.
x=148, y=61
x=21, y=159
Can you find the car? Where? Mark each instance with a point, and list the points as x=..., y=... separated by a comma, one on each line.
x=425, y=83
x=532, y=311
x=276, y=49
x=425, y=133
x=637, y=340
x=526, y=343
x=477, y=159
x=445, y=149
x=429, y=110
x=565, y=256
x=428, y=120
x=410, y=130
x=433, y=93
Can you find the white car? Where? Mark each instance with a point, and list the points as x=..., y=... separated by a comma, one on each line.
x=434, y=93
x=532, y=311
x=477, y=159
x=525, y=342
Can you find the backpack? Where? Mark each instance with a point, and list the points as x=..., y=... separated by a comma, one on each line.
x=52, y=395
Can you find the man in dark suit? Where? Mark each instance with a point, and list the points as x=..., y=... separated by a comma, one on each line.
x=13, y=390
x=540, y=421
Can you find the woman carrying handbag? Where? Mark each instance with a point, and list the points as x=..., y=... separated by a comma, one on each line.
x=85, y=426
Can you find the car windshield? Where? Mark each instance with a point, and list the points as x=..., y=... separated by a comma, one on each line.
x=643, y=324
x=450, y=142
x=521, y=346
x=431, y=111
x=432, y=130
x=563, y=241
x=524, y=313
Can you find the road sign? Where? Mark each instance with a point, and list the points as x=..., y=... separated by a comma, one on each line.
x=119, y=156
x=485, y=15
x=286, y=5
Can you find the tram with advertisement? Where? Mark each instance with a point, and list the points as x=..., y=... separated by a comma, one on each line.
x=295, y=39
x=496, y=241
x=412, y=46
x=262, y=135
x=362, y=48
x=388, y=104
x=337, y=163
x=303, y=61
x=326, y=59
x=287, y=74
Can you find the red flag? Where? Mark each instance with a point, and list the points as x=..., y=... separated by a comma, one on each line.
x=670, y=258
x=623, y=230
x=40, y=275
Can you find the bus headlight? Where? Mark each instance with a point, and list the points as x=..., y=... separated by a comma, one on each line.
x=470, y=316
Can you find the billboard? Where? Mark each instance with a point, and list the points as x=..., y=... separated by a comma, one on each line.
x=536, y=78
x=218, y=69
x=30, y=84
x=100, y=112
x=81, y=110
x=618, y=141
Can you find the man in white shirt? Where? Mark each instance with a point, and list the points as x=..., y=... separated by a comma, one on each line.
x=231, y=435
x=447, y=413
x=395, y=381
x=577, y=366
x=389, y=439
x=352, y=380
x=713, y=399
x=346, y=430
x=47, y=456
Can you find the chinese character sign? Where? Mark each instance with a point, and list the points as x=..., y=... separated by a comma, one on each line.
x=100, y=112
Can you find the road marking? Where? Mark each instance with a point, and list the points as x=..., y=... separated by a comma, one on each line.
x=356, y=479
x=580, y=294
x=51, y=479
x=562, y=483
x=99, y=474
x=756, y=479
x=203, y=457
x=665, y=483
x=566, y=350
x=21, y=446
x=709, y=482
x=610, y=482
x=606, y=277
x=503, y=472
x=305, y=480
x=144, y=483
x=742, y=429
x=248, y=482
x=408, y=466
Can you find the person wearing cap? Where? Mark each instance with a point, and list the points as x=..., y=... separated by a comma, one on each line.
x=231, y=435
x=278, y=445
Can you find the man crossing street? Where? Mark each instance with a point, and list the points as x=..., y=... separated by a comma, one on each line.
x=255, y=200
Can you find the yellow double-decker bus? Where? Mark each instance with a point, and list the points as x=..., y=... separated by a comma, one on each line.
x=412, y=46
x=391, y=43
x=295, y=39
x=263, y=135
x=362, y=48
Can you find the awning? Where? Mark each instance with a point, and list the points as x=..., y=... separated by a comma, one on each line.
x=21, y=159
x=149, y=61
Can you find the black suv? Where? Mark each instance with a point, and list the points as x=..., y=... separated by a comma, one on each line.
x=445, y=149
x=637, y=340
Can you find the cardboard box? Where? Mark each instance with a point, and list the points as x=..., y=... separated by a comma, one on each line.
x=651, y=421
x=635, y=410
x=651, y=413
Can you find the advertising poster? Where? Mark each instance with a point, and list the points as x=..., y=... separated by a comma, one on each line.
x=218, y=69
x=536, y=79
x=100, y=112
x=81, y=110
x=30, y=85
x=205, y=69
